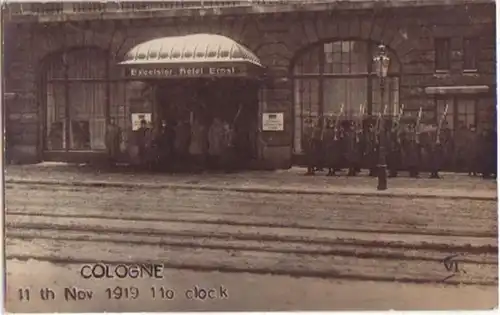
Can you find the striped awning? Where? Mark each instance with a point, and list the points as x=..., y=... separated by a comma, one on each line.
x=196, y=55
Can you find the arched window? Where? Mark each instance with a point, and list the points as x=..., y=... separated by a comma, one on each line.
x=79, y=97
x=327, y=75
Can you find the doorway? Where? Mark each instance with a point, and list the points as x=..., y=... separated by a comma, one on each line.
x=184, y=103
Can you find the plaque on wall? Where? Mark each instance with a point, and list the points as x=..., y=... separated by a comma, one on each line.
x=272, y=122
x=138, y=117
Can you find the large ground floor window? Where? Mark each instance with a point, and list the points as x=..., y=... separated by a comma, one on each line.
x=80, y=99
x=331, y=75
x=78, y=122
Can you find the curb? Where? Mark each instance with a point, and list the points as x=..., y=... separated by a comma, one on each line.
x=250, y=189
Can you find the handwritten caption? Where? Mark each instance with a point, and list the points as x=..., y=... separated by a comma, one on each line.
x=122, y=271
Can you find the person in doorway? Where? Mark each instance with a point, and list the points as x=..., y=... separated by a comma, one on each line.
x=181, y=143
x=141, y=139
x=165, y=144
x=216, y=143
x=229, y=148
x=113, y=139
x=198, y=146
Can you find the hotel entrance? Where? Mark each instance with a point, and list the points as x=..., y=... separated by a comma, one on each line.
x=204, y=111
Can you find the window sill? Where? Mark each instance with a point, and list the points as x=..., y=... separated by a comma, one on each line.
x=442, y=73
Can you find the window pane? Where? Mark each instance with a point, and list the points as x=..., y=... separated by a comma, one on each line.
x=470, y=54
x=391, y=95
x=308, y=62
x=346, y=57
x=442, y=53
x=352, y=92
x=87, y=117
x=466, y=112
x=306, y=106
x=55, y=117
x=441, y=105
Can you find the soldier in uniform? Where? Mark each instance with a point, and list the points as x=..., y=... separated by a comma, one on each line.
x=461, y=147
x=394, y=149
x=473, y=151
x=447, y=145
x=332, y=148
x=113, y=141
x=488, y=153
x=435, y=153
x=351, y=145
x=307, y=144
x=370, y=148
x=411, y=150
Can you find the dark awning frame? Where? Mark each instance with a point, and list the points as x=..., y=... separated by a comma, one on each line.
x=191, y=56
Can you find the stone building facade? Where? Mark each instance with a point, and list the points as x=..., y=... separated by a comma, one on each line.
x=317, y=56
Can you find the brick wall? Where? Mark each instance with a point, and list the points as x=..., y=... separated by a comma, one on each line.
x=276, y=39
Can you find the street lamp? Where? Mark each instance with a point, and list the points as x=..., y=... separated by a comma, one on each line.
x=382, y=66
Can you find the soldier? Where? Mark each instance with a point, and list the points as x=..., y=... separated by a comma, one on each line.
x=351, y=145
x=216, y=143
x=307, y=136
x=181, y=143
x=164, y=140
x=472, y=153
x=113, y=139
x=435, y=153
x=488, y=153
x=228, y=148
x=332, y=148
x=461, y=147
x=142, y=138
x=447, y=145
x=313, y=146
x=370, y=149
x=198, y=146
x=394, y=149
x=411, y=150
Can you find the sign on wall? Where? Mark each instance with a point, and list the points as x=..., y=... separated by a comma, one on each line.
x=138, y=117
x=272, y=122
x=183, y=72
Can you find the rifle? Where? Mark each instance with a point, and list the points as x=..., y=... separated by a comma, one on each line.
x=398, y=118
x=237, y=115
x=323, y=120
x=335, y=130
x=360, y=121
x=443, y=117
x=417, y=125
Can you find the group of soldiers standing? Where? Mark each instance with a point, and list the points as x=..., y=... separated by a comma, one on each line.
x=177, y=145
x=399, y=143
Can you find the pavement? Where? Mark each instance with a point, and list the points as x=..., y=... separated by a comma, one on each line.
x=451, y=186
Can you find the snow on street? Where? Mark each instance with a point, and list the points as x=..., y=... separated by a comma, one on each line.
x=387, y=243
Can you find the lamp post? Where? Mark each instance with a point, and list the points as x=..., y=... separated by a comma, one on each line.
x=382, y=66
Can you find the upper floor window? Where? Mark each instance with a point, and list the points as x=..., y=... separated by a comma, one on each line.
x=470, y=54
x=443, y=54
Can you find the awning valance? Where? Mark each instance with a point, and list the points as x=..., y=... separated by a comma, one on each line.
x=196, y=55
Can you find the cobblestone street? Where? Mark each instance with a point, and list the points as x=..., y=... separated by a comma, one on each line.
x=338, y=237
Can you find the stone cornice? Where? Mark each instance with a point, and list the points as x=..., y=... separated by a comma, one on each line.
x=250, y=9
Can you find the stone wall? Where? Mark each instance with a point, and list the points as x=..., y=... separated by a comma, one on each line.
x=276, y=39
